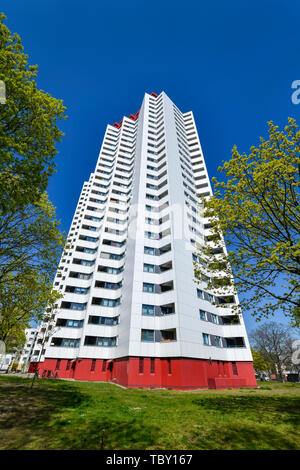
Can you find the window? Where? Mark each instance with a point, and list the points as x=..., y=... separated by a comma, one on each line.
x=148, y=287
x=204, y=295
x=214, y=318
x=105, y=302
x=88, y=239
x=74, y=323
x=108, y=285
x=79, y=275
x=58, y=364
x=108, y=302
x=100, y=341
x=218, y=341
x=71, y=343
x=149, y=250
x=81, y=290
x=148, y=309
x=110, y=270
x=234, y=368
x=73, y=306
x=152, y=197
x=169, y=366
x=147, y=335
x=203, y=315
x=104, y=365
x=88, y=250
x=229, y=299
x=200, y=294
x=107, y=321
x=168, y=335
x=141, y=365
x=151, y=236
x=93, y=365
x=237, y=342
x=206, y=339
x=152, y=365
x=167, y=309
x=65, y=342
x=149, y=268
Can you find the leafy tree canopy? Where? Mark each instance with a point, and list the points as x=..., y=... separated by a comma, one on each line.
x=28, y=127
x=257, y=211
x=259, y=364
x=14, y=339
x=30, y=246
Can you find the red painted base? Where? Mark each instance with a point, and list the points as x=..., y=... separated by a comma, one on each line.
x=32, y=367
x=135, y=372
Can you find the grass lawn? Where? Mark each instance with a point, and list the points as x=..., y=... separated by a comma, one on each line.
x=59, y=414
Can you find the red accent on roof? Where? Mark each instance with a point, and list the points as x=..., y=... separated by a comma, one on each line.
x=118, y=124
x=133, y=117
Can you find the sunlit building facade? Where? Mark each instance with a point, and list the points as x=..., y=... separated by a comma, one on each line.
x=132, y=312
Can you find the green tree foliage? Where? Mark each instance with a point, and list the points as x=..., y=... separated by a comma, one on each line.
x=258, y=361
x=30, y=246
x=30, y=240
x=28, y=127
x=257, y=211
x=14, y=339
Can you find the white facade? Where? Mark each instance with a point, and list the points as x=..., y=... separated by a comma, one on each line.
x=132, y=242
x=30, y=351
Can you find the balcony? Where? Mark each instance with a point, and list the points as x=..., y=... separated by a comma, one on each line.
x=159, y=336
x=237, y=342
x=158, y=311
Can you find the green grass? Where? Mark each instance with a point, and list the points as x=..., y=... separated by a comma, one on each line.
x=60, y=414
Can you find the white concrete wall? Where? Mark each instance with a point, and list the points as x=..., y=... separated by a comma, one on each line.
x=180, y=153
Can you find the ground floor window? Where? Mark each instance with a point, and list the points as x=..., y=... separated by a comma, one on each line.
x=234, y=368
x=141, y=365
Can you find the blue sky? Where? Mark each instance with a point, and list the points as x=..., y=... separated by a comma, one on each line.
x=232, y=63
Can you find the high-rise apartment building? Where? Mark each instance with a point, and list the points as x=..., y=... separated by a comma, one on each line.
x=131, y=311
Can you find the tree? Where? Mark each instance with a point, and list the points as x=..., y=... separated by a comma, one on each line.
x=259, y=364
x=30, y=245
x=23, y=304
x=273, y=341
x=28, y=127
x=257, y=212
x=30, y=241
x=14, y=339
x=46, y=330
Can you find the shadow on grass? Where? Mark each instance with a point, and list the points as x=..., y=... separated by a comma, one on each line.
x=285, y=407
x=52, y=416
x=249, y=422
x=24, y=414
x=111, y=434
x=243, y=436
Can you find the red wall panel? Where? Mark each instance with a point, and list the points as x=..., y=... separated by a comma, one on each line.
x=177, y=373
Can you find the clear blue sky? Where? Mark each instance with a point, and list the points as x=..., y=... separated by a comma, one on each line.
x=231, y=62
